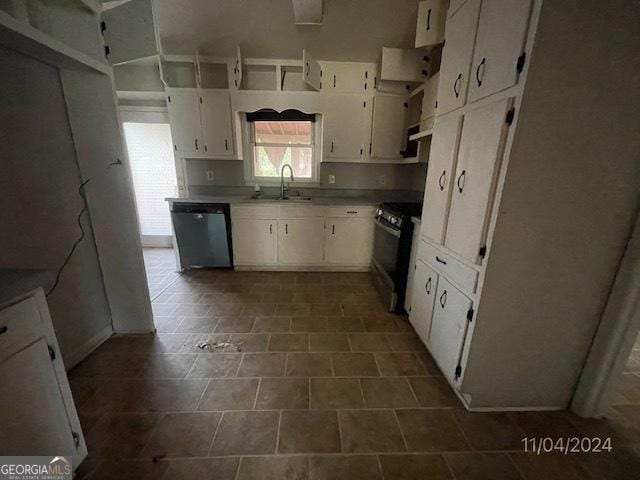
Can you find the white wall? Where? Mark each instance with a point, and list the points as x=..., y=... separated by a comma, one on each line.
x=40, y=202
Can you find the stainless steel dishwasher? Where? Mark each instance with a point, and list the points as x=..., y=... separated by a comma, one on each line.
x=203, y=234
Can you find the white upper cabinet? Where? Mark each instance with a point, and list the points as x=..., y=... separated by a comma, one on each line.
x=481, y=148
x=388, y=133
x=346, y=77
x=184, y=115
x=237, y=69
x=442, y=164
x=215, y=113
x=429, y=96
x=425, y=284
x=348, y=241
x=448, y=327
x=311, y=71
x=403, y=65
x=130, y=32
x=456, y=57
x=346, y=124
x=502, y=30
x=255, y=241
x=300, y=241
x=430, y=26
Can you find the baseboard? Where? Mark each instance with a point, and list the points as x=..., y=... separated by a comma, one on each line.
x=85, y=349
x=302, y=268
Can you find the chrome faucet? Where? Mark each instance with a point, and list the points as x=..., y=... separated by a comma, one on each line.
x=284, y=190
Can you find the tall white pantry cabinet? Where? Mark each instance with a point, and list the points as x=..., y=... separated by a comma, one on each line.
x=506, y=233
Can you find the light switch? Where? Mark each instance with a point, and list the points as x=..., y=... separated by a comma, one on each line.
x=332, y=178
x=210, y=175
x=383, y=179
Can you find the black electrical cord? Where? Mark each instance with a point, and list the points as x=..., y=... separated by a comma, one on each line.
x=77, y=242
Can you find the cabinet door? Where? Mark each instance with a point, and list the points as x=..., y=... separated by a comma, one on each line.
x=430, y=25
x=429, y=96
x=442, y=164
x=448, y=327
x=130, y=32
x=502, y=29
x=403, y=65
x=311, y=73
x=481, y=146
x=456, y=57
x=348, y=241
x=346, y=77
x=388, y=132
x=215, y=112
x=345, y=122
x=300, y=241
x=184, y=115
x=425, y=285
x=255, y=241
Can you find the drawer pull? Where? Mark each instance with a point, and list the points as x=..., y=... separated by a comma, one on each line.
x=456, y=85
x=443, y=299
x=351, y=211
x=461, y=180
x=442, y=179
x=3, y=329
x=427, y=286
x=438, y=259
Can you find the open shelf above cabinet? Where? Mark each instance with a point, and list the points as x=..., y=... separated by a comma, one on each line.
x=421, y=135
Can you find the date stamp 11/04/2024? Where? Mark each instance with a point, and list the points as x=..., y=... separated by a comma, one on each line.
x=567, y=445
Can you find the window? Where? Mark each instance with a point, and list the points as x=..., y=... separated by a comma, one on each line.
x=276, y=142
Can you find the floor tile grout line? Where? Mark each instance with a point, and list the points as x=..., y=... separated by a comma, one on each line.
x=464, y=434
x=380, y=467
x=255, y=399
x=447, y=464
x=202, y=395
x=213, y=438
x=364, y=400
x=404, y=439
x=515, y=465
x=413, y=392
x=276, y=448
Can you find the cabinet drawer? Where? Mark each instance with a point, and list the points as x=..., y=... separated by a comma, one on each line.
x=300, y=211
x=456, y=271
x=254, y=211
x=358, y=212
x=19, y=326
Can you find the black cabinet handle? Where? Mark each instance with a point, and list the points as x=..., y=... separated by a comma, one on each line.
x=271, y=229
x=308, y=69
x=333, y=229
x=226, y=144
x=456, y=85
x=205, y=147
x=286, y=229
x=429, y=19
x=196, y=143
x=334, y=81
x=3, y=329
x=480, y=66
x=443, y=299
x=438, y=259
x=441, y=180
x=331, y=147
x=427, y=286
x=461, y=180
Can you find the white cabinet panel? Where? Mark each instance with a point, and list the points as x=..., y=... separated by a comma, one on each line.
x=454, y=6
x=413, y=258
x=430, y=25
x=348, y=241
x=37, y=412
x=312, y=73
x=456, y=57
x=215, y=113
x=442, y=164
x=255, y=241
x=300, y=241
x=388, y=133
x=403, y=65
x=345, y=123
x=502, y=29
x=448, y=327
x=481, y=147
x=425, y=285
x=346, y=77
x=130, y=33
x=429, y=96
x=184, y=115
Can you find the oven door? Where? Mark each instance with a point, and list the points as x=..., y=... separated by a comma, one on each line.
x=386, y=242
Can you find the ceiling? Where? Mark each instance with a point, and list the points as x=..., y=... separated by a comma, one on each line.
x=352, y=30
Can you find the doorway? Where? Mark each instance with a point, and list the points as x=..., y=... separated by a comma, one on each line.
x=150, y=150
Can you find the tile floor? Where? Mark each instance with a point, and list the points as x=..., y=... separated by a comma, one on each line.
x=306, y=377
x=160, y=266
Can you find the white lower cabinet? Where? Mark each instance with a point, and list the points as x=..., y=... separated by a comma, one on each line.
x=348, y=241
x=255, y=241
x=37, y=412
x=448, y=327
x=424, y=287
x=300, y=241
x=413, y=258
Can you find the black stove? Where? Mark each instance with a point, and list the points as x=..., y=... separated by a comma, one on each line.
x=392, y=249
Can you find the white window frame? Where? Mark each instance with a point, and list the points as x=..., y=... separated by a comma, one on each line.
x=248, y=130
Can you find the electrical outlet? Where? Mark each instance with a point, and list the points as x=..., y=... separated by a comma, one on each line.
x=332, y=178
x=383, y=179
x=210, y=175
